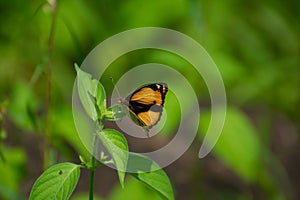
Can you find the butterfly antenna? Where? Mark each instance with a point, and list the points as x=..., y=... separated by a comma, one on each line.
x=112, y=80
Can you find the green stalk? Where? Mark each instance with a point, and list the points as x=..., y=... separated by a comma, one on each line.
x=49, y=85
x=93, y=160
x=92, y=172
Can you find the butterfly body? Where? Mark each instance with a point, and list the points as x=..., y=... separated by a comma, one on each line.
x=146, y=104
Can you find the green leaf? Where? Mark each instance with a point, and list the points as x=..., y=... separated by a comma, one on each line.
x=115, y=112
x=117, y=147
x=88, y=87
x=149, y=172
x=238, y=145
x=57, y=182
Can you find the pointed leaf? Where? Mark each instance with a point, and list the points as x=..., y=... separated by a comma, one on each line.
x=86, y=87
x=117, y=147
x=57, y=182
x=149, y=172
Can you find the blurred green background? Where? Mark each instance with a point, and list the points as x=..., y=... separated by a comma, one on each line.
x=255, y=44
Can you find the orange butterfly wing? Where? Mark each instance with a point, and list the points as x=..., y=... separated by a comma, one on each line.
x=146, y=104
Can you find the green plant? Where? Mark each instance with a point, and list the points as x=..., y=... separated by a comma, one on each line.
x=59, y=181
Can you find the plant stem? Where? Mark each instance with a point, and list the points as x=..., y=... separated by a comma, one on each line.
x=49, y=84
x=92, y=173
x=93, y=160
x=92, y=169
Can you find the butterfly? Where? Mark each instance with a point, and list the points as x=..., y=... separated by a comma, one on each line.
x=145, y=104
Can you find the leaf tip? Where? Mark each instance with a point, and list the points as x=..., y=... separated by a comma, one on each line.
x=77, y=68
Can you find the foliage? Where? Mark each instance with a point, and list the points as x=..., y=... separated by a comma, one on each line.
x=254, y=44
x=66, y=175
x=57, y=182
